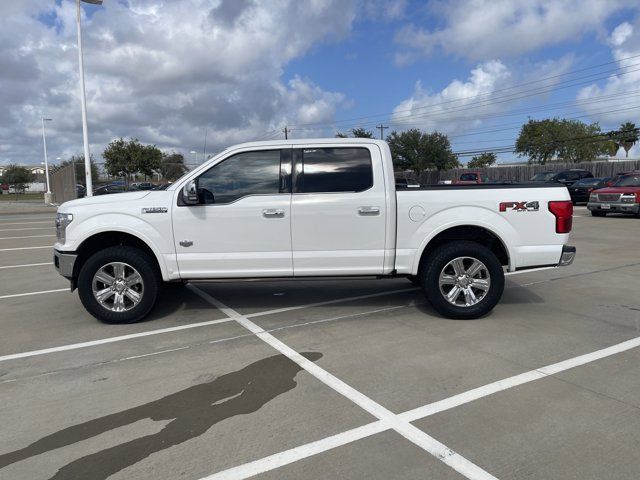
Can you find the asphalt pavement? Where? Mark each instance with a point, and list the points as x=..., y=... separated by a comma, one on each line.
x=312, y=379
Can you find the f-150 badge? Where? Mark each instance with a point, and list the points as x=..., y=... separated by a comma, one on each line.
x=520, y=206
x=155, y=210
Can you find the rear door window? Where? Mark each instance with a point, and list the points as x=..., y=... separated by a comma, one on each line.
x=332, y=170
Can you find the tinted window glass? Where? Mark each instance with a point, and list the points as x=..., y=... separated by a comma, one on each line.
x=587, y=182
x=336, y=170
x=249, y=173
x=542, y=177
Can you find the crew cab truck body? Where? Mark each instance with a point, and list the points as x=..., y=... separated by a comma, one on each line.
x=308, y=208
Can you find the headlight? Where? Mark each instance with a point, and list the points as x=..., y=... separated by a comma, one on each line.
x=62, y=220
x=593, y=197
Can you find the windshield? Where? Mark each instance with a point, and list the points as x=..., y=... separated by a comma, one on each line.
x=543, y=177
x=628, y=181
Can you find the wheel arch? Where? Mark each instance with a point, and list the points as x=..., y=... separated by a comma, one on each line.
x=101, y=240
x=473, y=233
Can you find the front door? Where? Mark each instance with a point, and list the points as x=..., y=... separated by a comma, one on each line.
x=338, y=211
x=241, y=225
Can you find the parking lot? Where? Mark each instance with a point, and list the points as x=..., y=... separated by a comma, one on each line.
x=344, y=379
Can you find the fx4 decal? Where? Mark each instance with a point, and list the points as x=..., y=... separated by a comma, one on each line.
x=520, y=206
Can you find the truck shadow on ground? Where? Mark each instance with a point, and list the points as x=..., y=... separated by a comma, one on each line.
x=192, y=412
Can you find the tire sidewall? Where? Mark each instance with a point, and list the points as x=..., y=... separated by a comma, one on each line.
x=436, y=261
x=138, y=260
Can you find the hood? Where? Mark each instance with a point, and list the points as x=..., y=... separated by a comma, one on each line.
x=109, y=198
x=618, y=190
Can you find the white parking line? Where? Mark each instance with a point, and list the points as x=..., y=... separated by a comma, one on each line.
x=23, y=248
x=26, y=265
x=29, y=236
x=28, y=294
x=23, y=229
x=74, y=346
x=35, y=221
x=295, y=454
x=93, y=343
x=388, y=418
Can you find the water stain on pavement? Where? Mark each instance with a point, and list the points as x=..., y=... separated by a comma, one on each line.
x=192, y=412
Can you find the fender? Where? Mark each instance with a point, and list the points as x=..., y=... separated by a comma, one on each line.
x=160, y=243
x=462, y=216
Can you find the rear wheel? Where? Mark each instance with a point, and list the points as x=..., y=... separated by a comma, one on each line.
x=119, y=284
x=598, y=213
x=463, y=280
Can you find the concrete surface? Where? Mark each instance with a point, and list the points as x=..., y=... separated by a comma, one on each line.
x=178, y=399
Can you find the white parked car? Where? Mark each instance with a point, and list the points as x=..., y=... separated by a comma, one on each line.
x=309, y=208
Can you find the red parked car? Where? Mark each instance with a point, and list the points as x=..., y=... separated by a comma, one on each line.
x=622, y=197
x=469, y=178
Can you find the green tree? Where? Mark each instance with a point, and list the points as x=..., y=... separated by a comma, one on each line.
x=627, y=136
x=17, y=177
x=127, y=158
x=78, y=161
x=483, y=160
x=570, y=140
x=419, y=151
x=356, y=133
x=172, y=166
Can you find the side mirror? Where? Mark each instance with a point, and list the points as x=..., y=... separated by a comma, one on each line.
x=190, y=193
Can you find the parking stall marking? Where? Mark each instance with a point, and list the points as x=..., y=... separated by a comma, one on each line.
x=23, y=248
x=301, y=452
x=392, y=421
x=26, y=265
x=120, y=338
x=29, y=236
x=28, y=294
x=23, y=229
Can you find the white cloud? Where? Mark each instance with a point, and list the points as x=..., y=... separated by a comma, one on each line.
x=161, y=71
x=621, y=90
x=485, y=29
x=490, y=89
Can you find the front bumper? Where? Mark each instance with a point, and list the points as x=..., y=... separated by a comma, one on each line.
x=617, y=207
x=568, y=255
x=64, y=263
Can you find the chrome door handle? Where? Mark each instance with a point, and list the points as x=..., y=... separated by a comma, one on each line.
x=273, y=213
x=368, y=211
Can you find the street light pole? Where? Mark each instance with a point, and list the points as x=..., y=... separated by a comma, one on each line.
x=47, y=196
x=83, y=100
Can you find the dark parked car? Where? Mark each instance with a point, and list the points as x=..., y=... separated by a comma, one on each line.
x=566, y=177
x=162, y=186
x=112, y=188
x=143, y=186
x=406, y=183
x=581, y=190
x=81, y=191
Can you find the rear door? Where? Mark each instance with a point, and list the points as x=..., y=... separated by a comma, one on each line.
x=338, y=211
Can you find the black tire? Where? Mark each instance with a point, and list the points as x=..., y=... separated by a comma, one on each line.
x=440, y=258
x=136, y=258
x=598, y=213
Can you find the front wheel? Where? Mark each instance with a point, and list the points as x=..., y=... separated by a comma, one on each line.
x=119, y=284
x=463, y=280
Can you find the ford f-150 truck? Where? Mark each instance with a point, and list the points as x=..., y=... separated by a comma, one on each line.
x=309, y=208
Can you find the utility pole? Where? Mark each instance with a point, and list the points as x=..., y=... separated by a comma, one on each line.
x=382, y=129
x=286, y=132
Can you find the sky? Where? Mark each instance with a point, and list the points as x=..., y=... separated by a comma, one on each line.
x=174, y=73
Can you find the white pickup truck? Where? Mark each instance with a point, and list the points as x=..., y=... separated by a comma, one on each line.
x=309, y=208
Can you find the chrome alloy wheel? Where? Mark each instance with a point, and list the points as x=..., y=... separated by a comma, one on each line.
x=117, y=286
x=464, y=281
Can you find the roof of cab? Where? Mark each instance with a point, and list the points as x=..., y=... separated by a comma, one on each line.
x=307, y=141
